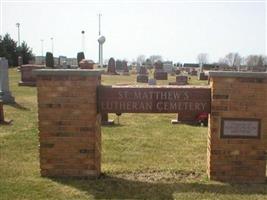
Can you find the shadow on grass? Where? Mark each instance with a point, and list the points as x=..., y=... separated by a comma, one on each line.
x=113, y=125
x=19, y=106
x=111, y=187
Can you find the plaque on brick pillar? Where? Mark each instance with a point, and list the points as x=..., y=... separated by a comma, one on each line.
x=240, y=128
x=5, y=94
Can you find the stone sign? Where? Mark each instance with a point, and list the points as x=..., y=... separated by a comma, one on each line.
x=5, y=94
x=153, y=99
x=240, y=128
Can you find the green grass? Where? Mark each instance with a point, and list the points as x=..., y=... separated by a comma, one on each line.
x=145, y=157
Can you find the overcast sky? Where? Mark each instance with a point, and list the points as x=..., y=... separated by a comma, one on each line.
x=177, y=30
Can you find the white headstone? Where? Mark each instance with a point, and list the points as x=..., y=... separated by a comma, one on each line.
x=5, y=94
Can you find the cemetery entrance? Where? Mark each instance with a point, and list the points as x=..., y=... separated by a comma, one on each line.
x=70, y=103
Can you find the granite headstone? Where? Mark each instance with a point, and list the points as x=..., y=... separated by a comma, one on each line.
x=5, y=94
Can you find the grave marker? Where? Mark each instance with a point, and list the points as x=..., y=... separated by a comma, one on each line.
x=142, y=77
x=159, y=73
x=27, y=77
x=112, y=67
x=5, y=94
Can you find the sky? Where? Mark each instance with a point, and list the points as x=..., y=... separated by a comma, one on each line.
x=178, y=30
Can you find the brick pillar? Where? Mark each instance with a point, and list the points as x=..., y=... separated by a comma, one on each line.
x=69, y=124
x=236, y=151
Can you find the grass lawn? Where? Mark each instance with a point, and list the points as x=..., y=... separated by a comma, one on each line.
x=145, y=157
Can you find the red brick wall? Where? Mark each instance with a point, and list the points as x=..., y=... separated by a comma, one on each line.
x=69, y=125
x=237, y=160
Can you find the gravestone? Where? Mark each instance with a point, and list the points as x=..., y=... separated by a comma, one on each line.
x=20, y=61
x=152, y=81
x=201, y=74
x=180, y=80
x=159, y=73
x=64, y=65
x=168, y=67
x=5, y=94
x=86, y=64
x=193, y=72
x=125, y=68
x=119, y=66
x=112, y=67
x=142, y=77
x=27, y=77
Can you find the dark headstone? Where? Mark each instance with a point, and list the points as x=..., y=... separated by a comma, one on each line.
x=142, y=78
x=193, y=72
x=180, y=80
x=143, y=70
x=112, y=67
x=119, y=66
x=125, y=68
x=202, y=76
x=159, y=73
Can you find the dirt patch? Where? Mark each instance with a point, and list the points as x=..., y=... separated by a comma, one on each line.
x=158, y=176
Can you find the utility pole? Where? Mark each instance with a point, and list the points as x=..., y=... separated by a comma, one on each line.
x=52, y=45
x=18, y=26
x=42, y=49
x=83, y=40
x=99, y=33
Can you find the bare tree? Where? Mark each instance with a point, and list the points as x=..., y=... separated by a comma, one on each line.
x=141, y=59
x=255, y=60
x=155, y=58
x=202, y=58
x=231, y=59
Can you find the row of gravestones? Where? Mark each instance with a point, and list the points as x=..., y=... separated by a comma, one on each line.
x=112, y=67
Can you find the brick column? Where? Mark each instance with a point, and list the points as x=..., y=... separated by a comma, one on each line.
x=240, y=97
x=69, y=124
